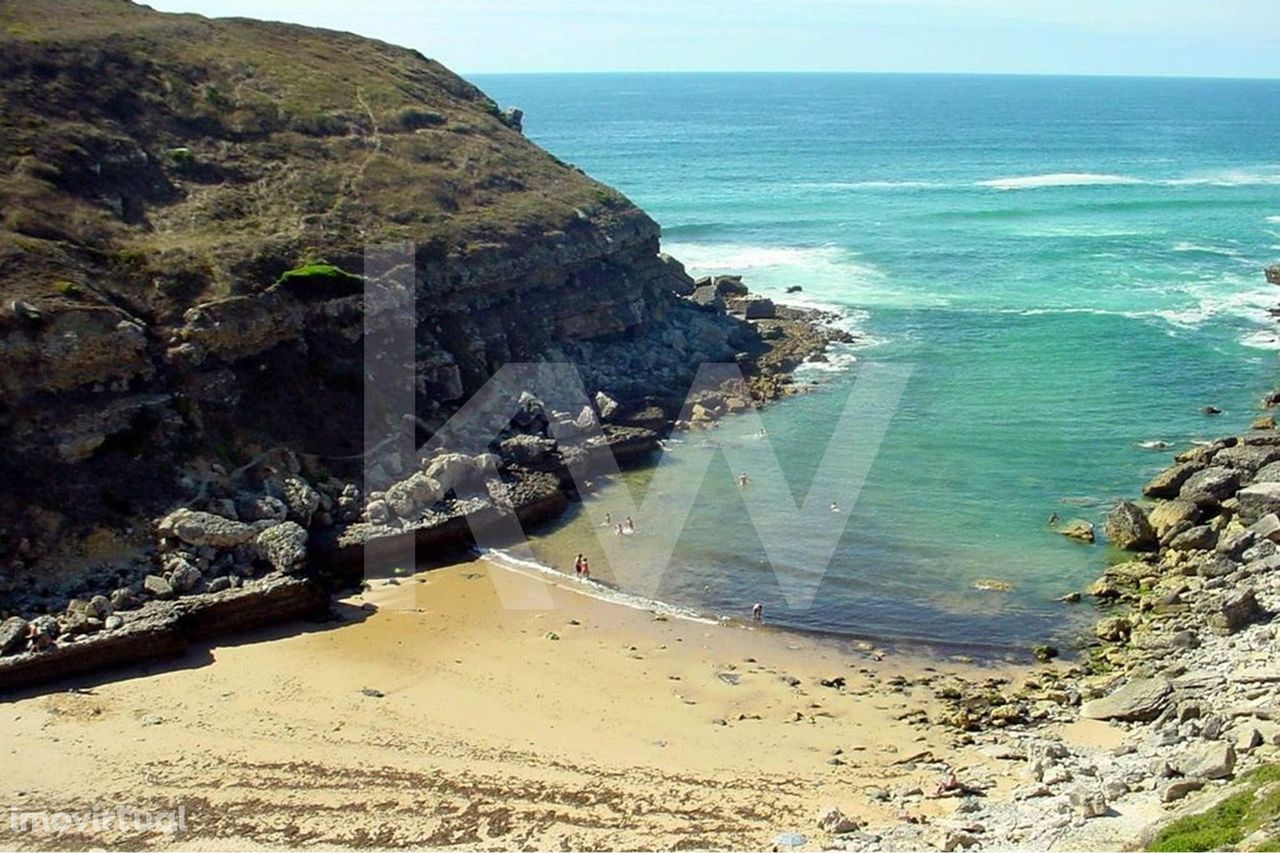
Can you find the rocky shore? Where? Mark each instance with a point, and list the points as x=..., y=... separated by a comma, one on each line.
x=1182, y=667
x=270, y=540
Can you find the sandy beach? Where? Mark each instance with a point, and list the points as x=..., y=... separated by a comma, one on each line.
x=430, y=716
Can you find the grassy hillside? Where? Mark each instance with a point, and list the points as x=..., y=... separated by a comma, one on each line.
x=158, y=160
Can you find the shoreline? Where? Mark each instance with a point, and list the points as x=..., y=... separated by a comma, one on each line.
x=622, y=714
x=326, y=533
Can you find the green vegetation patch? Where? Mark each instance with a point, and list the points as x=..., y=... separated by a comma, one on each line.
x=1231, y=820
x=319, y=273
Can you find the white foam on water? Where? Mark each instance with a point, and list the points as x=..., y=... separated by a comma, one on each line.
x=1274, y=220
x=1059, y=179
x=594, y=589
x=712, y=258
x=878, y=185
x=1082, y=230
x=1220, y=298
x=1198, y=248
x=1264, y=339
x=1240, y=177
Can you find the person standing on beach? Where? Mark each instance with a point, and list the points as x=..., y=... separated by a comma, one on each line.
x=631, y=525
x=577, y=566
x=586, y=569
x=757, y=612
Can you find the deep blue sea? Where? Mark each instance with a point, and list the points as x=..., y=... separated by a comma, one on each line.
x=1070, y=266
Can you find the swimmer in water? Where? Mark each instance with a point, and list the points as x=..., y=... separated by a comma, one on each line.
x=835, y=507
x=743, y=479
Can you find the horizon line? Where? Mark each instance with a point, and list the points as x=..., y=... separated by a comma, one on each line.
x=869, y=73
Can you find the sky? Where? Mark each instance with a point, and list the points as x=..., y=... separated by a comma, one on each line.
x=1196, y=38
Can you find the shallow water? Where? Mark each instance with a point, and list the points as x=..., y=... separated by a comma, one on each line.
x=1069, y=267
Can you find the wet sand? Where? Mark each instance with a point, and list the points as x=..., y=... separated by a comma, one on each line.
x=432, y=716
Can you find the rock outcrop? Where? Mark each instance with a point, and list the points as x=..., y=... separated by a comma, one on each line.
x=188, y=206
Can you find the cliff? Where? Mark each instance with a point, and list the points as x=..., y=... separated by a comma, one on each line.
x=185, y=206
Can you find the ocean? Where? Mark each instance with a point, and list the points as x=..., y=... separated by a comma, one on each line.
x=1070, y=268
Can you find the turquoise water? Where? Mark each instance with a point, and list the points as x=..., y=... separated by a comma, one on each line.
x=1070, y=266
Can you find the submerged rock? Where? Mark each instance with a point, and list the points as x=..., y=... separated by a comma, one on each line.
x=1079, y=530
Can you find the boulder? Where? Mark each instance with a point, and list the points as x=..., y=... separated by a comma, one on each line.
x=606, y=406
x=1258, y=500
x=124, y=599
x=1211, y=485
x=1216, y=566
x=1114, y=629
x=409, y=497
x=758, y=309
x=1140, y=699
x=13, y=635
x=836, y=822
x=1178, y=789
x=1267, y=527
x=1234, y=547
x=678, y=280
x=377, y=512
x=284, y=546
x=205, y=528
x=1169, y=482
x=100, y=606
x=261, y=508
x=1273, y=274
x=1246, y=457
x=1206, y=760
x=1237, y=611
x=1127, y=527
x=530, y=416
x=1089, y=804
x=183, y=577
x=301, y=499
x=1199, y=538
x=586, y=420
x=527, y=451
x=707, y=296
x=1107, y=588
x=221, y=584
x=1268, y=473
x=729, y=285
x=1169, y=515
x=457, y=471
x=157, y=586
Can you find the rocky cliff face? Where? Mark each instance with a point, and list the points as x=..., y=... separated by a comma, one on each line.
x=185, y=206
